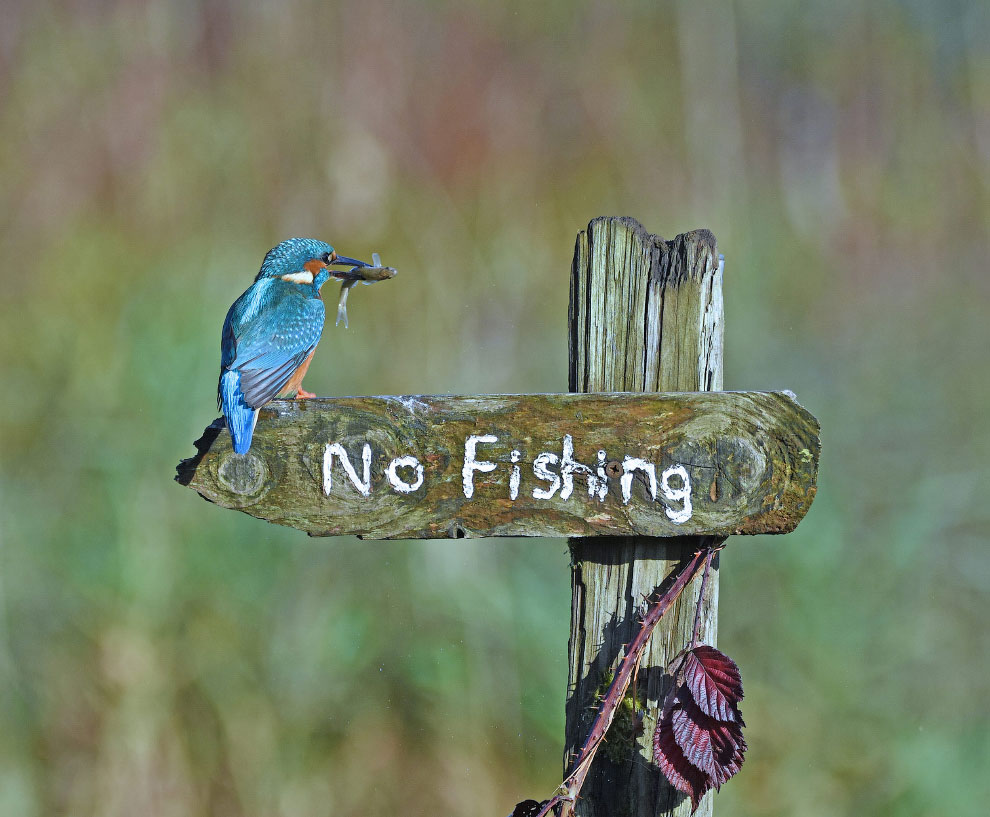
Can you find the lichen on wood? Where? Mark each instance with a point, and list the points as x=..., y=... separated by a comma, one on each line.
x=645, y=316
x=537, y=469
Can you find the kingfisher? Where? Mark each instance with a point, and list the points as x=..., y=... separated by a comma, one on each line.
x=271, y=331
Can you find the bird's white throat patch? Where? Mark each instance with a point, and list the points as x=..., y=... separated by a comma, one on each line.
x=303, y=277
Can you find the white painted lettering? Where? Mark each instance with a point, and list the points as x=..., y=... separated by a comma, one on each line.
x=569, y=467
x=682, y=494
x=471, y=464
x=542, y=472
x=515, y=477
x=332, y=449
x=630, y=464
x=600, y=486
x=400, y=485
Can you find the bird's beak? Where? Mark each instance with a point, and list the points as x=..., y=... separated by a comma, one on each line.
x=348, y=274
x=350, y=262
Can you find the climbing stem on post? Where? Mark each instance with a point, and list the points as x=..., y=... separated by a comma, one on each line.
x=701, y=597
x=569, y=791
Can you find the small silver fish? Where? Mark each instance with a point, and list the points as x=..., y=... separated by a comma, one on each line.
x=366, y=275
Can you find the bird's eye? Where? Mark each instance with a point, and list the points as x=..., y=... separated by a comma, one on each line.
x=327, y=257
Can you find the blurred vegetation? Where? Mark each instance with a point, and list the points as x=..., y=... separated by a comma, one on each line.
x=159, y=656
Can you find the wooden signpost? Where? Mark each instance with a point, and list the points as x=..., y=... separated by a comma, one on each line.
x=640, y=479
x=520, y=465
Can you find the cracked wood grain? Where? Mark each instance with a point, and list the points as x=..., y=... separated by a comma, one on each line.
x=645, y=315
x=749, y=443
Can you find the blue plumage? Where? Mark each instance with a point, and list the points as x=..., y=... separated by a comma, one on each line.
x=271, y=331
x=240, y=416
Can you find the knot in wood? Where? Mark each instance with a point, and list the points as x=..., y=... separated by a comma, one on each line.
x=242, y=474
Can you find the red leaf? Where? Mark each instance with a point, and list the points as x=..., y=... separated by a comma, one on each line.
x=682, y=774
x=729, y=746
x=714, y=746
x=714, y=681
x=698, y=743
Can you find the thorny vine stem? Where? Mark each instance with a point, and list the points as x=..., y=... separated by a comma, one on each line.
x=701, y=598
x=697, y=618
x=570, y=789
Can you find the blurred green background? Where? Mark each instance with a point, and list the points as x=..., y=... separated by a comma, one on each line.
x=159, y=656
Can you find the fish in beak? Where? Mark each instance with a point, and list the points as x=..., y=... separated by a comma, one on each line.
x=360, y=272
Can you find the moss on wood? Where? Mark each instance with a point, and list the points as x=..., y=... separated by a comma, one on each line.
x=748, y=444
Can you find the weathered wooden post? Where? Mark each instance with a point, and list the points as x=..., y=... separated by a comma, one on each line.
x=652, y=477
x=645, y=315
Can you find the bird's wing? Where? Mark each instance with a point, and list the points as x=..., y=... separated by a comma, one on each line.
x=268, y=339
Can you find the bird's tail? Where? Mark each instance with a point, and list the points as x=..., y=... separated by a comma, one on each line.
x=240, y=416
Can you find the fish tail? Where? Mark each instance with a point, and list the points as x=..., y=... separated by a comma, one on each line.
x=240, y=416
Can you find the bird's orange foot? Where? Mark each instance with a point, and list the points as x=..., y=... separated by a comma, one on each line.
x=304, y=395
